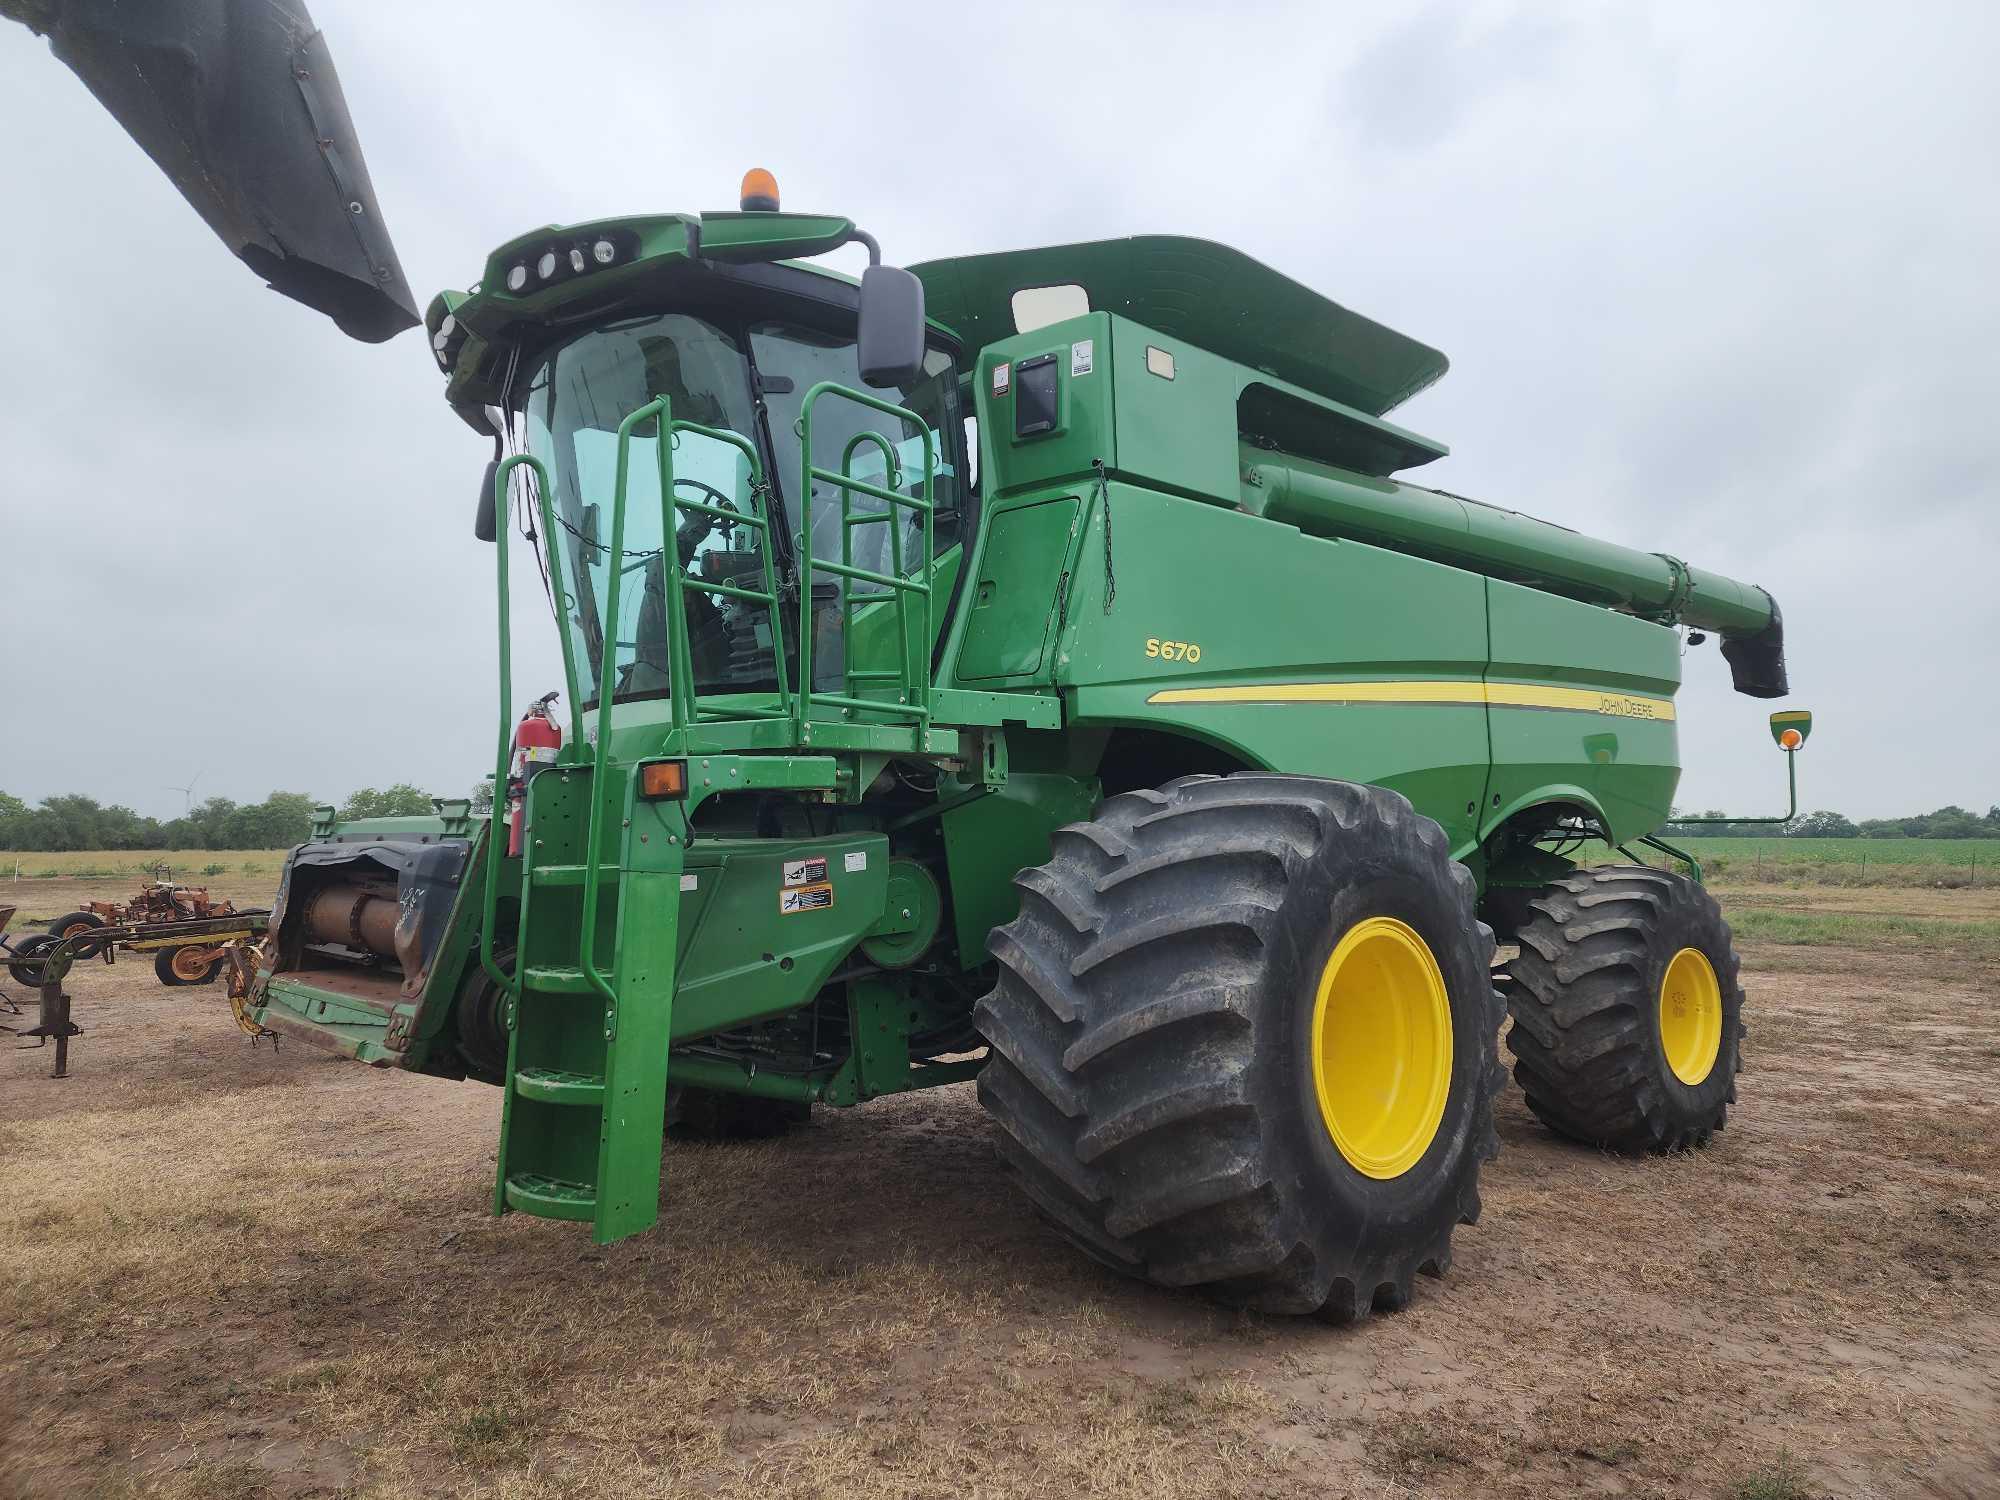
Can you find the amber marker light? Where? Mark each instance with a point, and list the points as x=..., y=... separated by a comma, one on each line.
x=663, y=778
x=760, y=192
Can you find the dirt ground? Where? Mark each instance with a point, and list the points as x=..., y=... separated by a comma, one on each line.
x=229, y=1273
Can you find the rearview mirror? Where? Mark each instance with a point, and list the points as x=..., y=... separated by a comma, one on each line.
x=891, y=341
x=484, y=520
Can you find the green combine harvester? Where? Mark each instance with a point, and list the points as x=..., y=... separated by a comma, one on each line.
x=1028, y=668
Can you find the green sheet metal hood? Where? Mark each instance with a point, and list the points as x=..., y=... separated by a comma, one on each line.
x=1214, y=297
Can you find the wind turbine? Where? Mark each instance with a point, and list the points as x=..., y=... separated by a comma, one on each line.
x=187, y=792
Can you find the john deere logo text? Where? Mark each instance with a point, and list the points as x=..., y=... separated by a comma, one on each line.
x=1628, y=708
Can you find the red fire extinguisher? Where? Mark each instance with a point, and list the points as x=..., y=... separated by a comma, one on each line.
x=537, y=738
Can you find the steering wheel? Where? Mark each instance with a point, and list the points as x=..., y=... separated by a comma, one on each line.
x=716, y=498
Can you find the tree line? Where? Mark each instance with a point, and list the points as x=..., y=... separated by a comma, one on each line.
x=279, y=821
x=1952, y=822
x=285, y=818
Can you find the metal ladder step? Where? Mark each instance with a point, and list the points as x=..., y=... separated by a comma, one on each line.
x=556, y=979
x=550, y=1197
x=570, y=875
x=555, y=1086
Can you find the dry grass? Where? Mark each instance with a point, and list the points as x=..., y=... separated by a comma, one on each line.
x=1966, y=904
x=45, y=885
x=236, y=1274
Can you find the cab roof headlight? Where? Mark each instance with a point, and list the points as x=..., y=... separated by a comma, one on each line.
x=576, y=261
x=604, y=252
x=546, y=266
x=517, y=278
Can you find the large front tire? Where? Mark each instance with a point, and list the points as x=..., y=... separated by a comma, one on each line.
x=1628, y=1010
x=1244, y=1039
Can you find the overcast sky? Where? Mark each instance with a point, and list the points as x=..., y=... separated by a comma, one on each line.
x=1714, y=280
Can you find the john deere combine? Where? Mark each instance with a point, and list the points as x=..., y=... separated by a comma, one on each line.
x=1058, y=690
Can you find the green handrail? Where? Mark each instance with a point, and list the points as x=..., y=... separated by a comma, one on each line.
x=680, y=685
x=913, y=675
x=509, y=983
x=681, y=664
x=607, y=670
x=680, y=670
x=892, y=475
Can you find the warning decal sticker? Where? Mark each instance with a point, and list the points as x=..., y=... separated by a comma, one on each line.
x=804, y=871
x=805, y=898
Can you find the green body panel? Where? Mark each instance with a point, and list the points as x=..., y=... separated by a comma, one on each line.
x=1318, y=611
x=1621, y=767
x=871, y=639
x=342, y=1023
x=988, y=839
x=1012, y=608
x=1186, y=553
x=1181, y=411
x=1202, y=294
x=744, y=958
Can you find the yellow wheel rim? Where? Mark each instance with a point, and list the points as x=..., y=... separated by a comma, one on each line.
x=1381, y=1047
x=1690, y=1015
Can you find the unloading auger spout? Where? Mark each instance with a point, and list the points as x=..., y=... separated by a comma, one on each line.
x=1506, y=544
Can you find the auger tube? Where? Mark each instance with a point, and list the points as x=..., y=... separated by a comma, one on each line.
x=1505, y=544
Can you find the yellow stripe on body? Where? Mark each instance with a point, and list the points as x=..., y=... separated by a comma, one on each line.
x=1462, y=694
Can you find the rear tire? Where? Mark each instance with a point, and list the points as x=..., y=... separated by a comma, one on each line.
x=78, y=921
x=1158, y=1061
x=1619, y=1040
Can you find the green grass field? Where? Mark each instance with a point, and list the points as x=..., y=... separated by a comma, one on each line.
x=1951, y=864
x=130, y=864
x=1959, y=852
x=1977, y=938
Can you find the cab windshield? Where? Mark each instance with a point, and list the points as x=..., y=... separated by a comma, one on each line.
x=714, y=374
